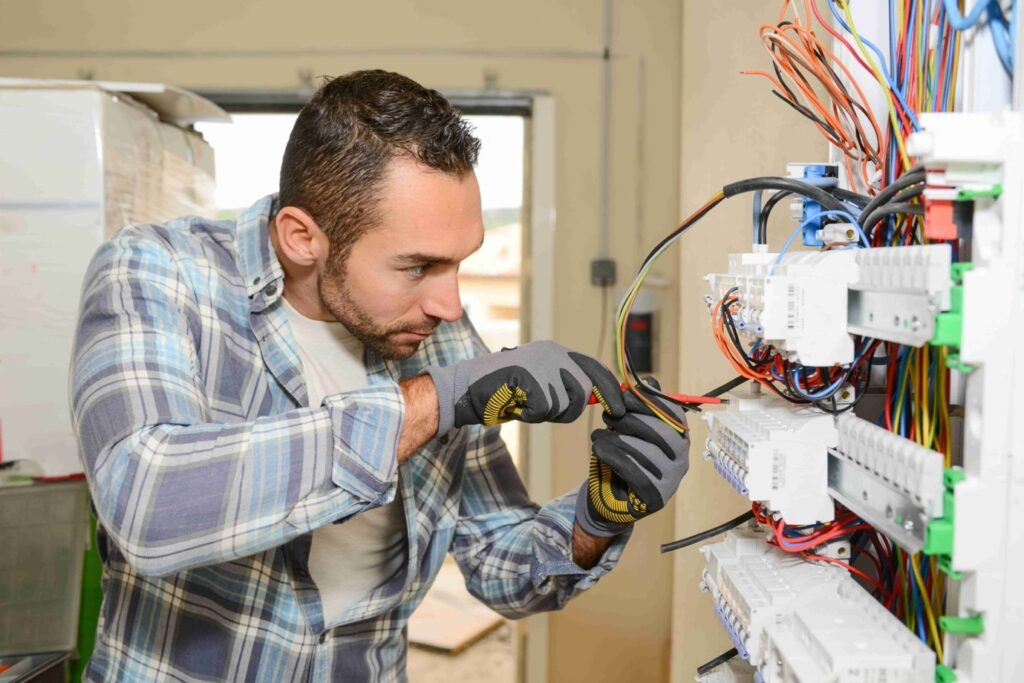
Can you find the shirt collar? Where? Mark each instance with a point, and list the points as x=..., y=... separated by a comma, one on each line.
x=257, y=261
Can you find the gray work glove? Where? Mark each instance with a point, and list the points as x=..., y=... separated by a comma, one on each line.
x=635, y=467
x=537, y=382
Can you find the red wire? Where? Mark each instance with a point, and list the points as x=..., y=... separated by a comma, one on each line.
x=850, y=568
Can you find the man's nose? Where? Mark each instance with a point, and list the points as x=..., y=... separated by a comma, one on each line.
x=443, y=300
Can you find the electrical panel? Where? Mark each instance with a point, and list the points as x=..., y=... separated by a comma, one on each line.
x=881, y=450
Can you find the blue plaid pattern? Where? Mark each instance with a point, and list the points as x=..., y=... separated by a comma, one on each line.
x=208, y=471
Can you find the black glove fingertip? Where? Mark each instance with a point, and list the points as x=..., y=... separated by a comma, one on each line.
x=606, y=387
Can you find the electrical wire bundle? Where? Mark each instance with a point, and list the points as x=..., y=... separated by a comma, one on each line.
x=803, y=67
x=924, y=49
x=919, y=74
x=799, y=384
x=902, y=582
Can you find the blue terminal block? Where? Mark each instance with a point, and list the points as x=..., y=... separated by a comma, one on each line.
x=734, y=636
x=733, y=480
x=811, y=214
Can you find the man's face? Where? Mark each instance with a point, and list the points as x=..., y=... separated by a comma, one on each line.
x=400, y=281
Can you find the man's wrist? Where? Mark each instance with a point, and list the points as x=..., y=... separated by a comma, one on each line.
x=421, y=415
x=587, y=549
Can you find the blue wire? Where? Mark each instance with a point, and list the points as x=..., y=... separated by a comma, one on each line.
x=951, y=50
x=881, y=63
x=1013, y=32
x=892, y=34
x=1004, y=44
x=821, y=394
x=1001, y=40
x=832, y=388
x=800, y=228
x=902, y=359
x=959, y=21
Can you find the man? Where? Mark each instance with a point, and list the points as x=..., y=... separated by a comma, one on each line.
x=287, y=422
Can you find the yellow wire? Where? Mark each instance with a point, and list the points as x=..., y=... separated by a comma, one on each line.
x=901, y=575
x=932, y=628
x=899, y=402
x=915, y=394
x=926, y=407
x=897, y=132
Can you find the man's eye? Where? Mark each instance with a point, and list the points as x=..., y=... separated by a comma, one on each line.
x=417, y=271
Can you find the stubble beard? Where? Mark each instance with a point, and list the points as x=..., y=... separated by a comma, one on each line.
x=336, y=297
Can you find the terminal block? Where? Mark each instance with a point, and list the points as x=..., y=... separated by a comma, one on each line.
x=899, y=292
x=891, y=482
x=796, y=620
x=775, y=454
x=964, y=172
x=808, y=304
x=797, y=303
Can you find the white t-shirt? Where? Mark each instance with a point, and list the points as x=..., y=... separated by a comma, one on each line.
x=347, y=561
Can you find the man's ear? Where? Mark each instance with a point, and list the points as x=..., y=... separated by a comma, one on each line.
x=299, y=237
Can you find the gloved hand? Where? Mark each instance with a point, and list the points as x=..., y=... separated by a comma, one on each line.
x=635, y=467
x=536, y=382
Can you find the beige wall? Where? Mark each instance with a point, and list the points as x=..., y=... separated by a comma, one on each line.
x=620, y=629
x=733, y=128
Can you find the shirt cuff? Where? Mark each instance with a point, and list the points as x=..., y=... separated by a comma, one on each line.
x=553, y=552
x=366, y=425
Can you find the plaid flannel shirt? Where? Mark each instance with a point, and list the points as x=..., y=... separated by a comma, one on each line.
x=208, y=471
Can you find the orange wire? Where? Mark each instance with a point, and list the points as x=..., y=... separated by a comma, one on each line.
x=808, y=64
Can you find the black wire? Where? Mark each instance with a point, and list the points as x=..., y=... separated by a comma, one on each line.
x=709, y=533
x=762, y=220
x=912, y=177
x=807, y=113
x=851, y=197
x=861, y=392
x=680, y=230
x=753, y=365
x=906, y=195
x=717, y=661
x=602, y=336
x=730, y=328
x=737, y=381
x=814, y=192
x=891, y=209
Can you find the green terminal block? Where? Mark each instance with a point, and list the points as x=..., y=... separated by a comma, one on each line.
x=967, y=626
x=949, y=324
x=939, y=540
x=943, y=674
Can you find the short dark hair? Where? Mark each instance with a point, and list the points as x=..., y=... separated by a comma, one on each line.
x=344, y=138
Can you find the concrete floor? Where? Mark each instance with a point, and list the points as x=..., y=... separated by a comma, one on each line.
x=488, y=661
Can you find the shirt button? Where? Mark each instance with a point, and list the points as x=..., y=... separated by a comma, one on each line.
x=302, y=573
x=256, y=281
x=271, y=290
x=444, y=439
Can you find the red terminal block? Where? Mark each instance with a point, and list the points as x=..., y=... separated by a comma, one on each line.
x=938, y=213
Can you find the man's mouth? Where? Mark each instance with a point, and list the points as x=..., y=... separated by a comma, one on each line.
x=418, y=333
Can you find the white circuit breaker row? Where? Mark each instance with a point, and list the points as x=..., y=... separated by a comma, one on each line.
x=892, y=483
x=795, y=460
x=807, y=304
x=797, y=621
x=775, y=454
